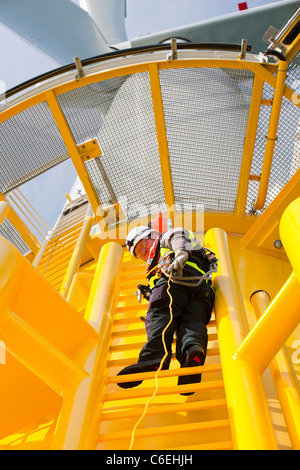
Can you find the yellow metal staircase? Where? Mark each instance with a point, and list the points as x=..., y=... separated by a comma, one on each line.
x=76, y=374
x=198, y=421
x=69, y=316
x=57, y=255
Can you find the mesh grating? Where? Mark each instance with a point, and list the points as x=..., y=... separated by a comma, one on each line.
x=293, y=76
x=29, y=145
x=286, y=157
x=8, y=231
x=206, y=113
x=119, y=112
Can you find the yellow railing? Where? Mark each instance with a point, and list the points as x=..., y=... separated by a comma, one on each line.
x=28, y=237
x=245, y=357
x=78, y=422
x=285, y=381
x=272, y=134
x=30, y=215
x=76, y=256
x=35, y=328
x=75, y=367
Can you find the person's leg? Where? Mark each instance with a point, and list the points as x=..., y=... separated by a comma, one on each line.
x=192, y=329
x=192, y=337
x=157, y=318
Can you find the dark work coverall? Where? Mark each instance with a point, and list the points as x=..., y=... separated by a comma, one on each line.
x=191, y=308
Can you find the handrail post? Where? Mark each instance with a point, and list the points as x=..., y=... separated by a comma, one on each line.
x=285, y=381
x=273, y=328
x=4, y=210
x=289, y=229
x=78, y=418
x=266, y=338
x=19, y=225
x=249, y=416
x=76, y=256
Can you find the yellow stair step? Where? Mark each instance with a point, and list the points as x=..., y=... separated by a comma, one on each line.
x=161, y=430
x=147, y=392
x=139, y=345
x=108, y=415
x=164, y=373
x=222, y=445
x=131, y=360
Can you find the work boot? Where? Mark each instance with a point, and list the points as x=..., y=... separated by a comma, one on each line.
x=146, y=366
x=194, y=356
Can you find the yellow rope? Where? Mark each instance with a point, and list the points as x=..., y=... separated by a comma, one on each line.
x=159, y=369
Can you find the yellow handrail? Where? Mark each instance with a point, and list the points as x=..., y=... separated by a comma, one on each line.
x=250, y=421
x=35, y=323
x=283, y=374
x=76, y=256
x=290, y=234
x=78, y=425
x=272, y=134
x=29, y=213
x=4, y=210
x=19, y=225
x=245, y=358
x=273, y=329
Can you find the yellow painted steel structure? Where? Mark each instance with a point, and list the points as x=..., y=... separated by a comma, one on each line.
x=70, y=319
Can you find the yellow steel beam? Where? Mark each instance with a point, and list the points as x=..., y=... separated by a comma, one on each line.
x=266, y=72
x=249, y=416
x=273, y=328
x=42, y=343
x=265, y=230
x=78, y=425
x=72, y=148
x=40, y=356
x=161, y=136
x=19, y=225
x=284, y=377
x=76, y=256
x=290, y=234
x=249, y=144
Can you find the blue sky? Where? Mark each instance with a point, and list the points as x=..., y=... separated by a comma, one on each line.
x=20, y=61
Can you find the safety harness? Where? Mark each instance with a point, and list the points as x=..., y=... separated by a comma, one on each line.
x=160, y=258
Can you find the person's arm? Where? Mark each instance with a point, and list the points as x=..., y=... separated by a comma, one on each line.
x=178, y=241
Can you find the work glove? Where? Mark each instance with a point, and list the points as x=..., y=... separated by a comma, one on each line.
x=181, y=257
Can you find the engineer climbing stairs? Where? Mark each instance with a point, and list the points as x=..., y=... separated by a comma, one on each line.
x=171, y=420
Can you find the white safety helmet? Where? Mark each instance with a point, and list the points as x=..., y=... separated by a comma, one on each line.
x=137, y=234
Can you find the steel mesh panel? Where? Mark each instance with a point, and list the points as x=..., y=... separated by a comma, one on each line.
x=293, y=76
x=30, y=144
x=85, y=108
x=8, y=231
x=206, y=113
x=286, y=157
x=119, y=112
